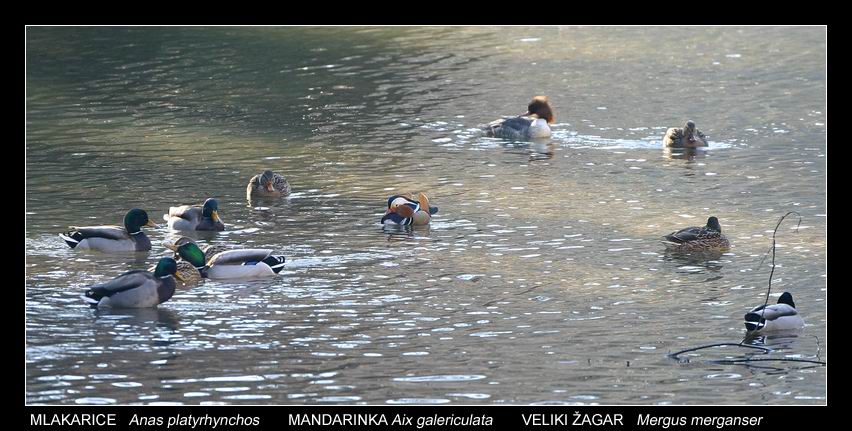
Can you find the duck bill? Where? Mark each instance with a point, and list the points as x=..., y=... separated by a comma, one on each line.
x=215, y=216
x=526, y=114
x=151, y=224
x=268, y=187
x=177, y=276
x=170, y=246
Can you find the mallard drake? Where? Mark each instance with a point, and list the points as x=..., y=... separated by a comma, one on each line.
x=529, y=125
x=195, y=217
x=405, y=211
x=778, y=317
x=705, y=238
x=268, y=184
x=686, y=137
x=231, y=264
x=112, y=238
x=137, y=288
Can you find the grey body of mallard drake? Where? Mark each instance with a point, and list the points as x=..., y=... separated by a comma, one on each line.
x=195, y=217
x=268, y=184
x=405, y=211
x=231, y=264
x=704, y=238
x=782, y=316
x=136, y=289
x=532, y=124
x=112, y=238
x=686, y=137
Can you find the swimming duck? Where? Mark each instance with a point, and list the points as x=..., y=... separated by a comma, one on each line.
x=194, y=217
x=405, y=211
x=686, y=137
x=136, y=289
x=530, y=125
x=778, y=317
x=209, y=249
x=188, y=274
x=705, y=238
x=268, y=184
x=231, y=264
x=112, y=238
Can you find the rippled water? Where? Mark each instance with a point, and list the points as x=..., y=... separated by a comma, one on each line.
x=540, y=280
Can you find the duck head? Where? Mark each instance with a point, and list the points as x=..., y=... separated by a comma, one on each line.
x=689, y=131
x=135, y=219
x=191, y=253
x=165, y=267
x=713, y=223
x=541, y=108
x=211, y=209
x=266, y=181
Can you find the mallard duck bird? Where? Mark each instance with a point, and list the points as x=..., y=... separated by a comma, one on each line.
x=185, y=272
x=112, y=238
x=268, y=184
x=529, y=125
x=405, y=211
x=209, y=249
x=231, y=264
x=778, y=317
x=686, y=137
x=137, y=288
x=195, y=217
x=705, y=238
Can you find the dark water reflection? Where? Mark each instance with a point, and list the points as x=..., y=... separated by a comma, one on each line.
x=539, y=278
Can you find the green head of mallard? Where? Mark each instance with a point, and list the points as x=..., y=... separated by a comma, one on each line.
x=135, y=219
x=210, y=209
x=713, y=224
x=192, y=254
x=165, y=267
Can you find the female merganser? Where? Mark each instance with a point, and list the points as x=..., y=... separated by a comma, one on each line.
x=404, y=211
x=112, y=238
x=195, y=217
x=530, y=125
x=705, y=238
x=686, y=137
x=268, y=184
x=137, y=288
x=779, y=317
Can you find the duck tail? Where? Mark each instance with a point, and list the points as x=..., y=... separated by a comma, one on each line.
x=275, y=262
x=72, y=238
x=92, y=298
x=754, y=322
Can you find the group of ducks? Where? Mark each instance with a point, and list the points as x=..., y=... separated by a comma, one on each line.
x=190, y=263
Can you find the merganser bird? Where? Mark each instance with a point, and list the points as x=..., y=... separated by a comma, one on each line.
x=529, y=125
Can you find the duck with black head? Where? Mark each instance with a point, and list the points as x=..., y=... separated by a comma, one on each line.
x=532, y=124
x=137, y=288
x=194, y=217
x=112, y=238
